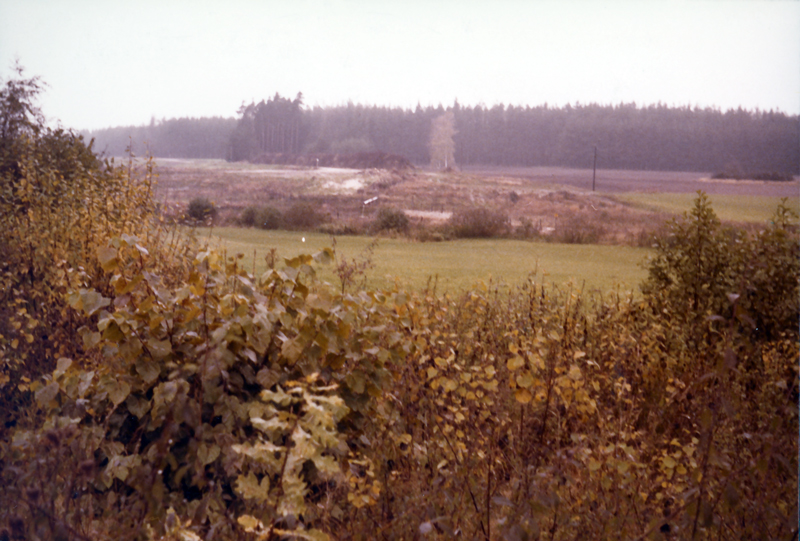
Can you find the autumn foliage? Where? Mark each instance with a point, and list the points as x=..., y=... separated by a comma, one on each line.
x=151, y=388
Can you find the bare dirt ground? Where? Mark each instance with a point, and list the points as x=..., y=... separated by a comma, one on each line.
x=539, y=200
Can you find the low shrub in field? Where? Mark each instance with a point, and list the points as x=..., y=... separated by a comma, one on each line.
x=431, y=234
x=349, y=227
x=304, y=215
x=261, y=217
x=249, y=217
x=527, y=230
x=578, y=229
x=479, y=222
x=390, y=219
x=200, y=209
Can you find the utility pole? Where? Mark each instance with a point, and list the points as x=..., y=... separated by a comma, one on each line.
x=594, y=167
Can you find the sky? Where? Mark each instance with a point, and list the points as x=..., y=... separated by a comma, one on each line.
x=111, y=63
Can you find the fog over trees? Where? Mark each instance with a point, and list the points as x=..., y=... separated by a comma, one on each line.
x=627, y=136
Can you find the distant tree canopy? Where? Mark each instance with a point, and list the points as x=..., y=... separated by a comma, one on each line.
x=268, y=127
x=207, y=137
x=627, y=136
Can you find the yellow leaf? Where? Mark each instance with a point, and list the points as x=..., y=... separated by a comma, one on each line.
x=525, y=380
x=515, y=362
x=536, y=361
x=523, y=396
x=248, y=523
x=449, y=385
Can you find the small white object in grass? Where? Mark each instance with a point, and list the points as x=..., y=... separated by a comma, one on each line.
x=304, y=239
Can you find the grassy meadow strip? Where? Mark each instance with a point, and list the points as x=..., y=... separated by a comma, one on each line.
x=458, y=264
x=735, y=208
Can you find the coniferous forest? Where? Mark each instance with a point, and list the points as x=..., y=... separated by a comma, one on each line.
x=627, y=136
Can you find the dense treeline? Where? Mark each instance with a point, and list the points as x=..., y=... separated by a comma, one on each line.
x=173, y=138
x=268, y=127
x=655, y=137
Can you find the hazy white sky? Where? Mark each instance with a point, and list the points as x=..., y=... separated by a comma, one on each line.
x=110, y=63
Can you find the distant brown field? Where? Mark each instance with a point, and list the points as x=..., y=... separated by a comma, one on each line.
x=543, y=201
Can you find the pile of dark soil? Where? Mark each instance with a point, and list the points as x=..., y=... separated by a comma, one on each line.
x=358, y=160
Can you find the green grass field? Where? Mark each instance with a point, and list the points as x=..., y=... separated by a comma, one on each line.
x=735, y=208
x=457, y=264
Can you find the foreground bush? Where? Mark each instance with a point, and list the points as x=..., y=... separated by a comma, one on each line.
x=217, y=404
x=702, y=270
